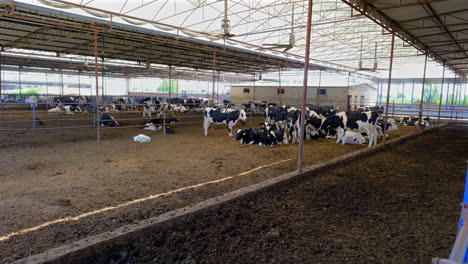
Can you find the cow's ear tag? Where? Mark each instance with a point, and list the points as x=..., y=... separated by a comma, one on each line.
x=244, y=134
x=272, y=132
x=262, y=129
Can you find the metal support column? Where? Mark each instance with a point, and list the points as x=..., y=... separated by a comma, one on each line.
x=403, y=93
x=1, y=86
x=378, y=93
x=441, y=93
x=412, y=93
x=170, y=82
x=217, y=88
x=79, y=84
x=19, y=80
x=279, y=85
x=319, y=87
x=96, y=72
x=214, y=77
x=420, y=112
x=61, y=82
x=304, y=88
x=102, y=77
x=47, y=83
x=390, y=69
x=453, y=96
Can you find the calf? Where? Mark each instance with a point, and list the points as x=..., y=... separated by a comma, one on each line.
x=226, y=116
x=391, y=125
x=354, y=121
x=108, y=121
x=249, y=136
x=351, y=137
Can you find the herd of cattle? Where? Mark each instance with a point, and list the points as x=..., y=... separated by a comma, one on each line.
x=69, y=105
x=282, y=124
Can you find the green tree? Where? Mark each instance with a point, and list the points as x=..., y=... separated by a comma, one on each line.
x=164, y=87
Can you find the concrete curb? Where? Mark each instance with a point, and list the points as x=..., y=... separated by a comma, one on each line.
x=91, y=247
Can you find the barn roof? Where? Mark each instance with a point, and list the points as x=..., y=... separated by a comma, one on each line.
x=34, y=28
x=436, y=27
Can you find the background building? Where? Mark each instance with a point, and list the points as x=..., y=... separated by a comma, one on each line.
x=341, y=96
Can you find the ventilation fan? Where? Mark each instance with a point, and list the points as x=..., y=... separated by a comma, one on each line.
x=292, y=38
x=375, y=68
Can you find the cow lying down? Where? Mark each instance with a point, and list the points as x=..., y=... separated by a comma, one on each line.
x=267, y=135
x=156, y=124
x=351, y=137
x=64, y=110
x=108, y=121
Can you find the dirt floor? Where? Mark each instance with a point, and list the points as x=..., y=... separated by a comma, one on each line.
x=54, y=174
x=397, y=206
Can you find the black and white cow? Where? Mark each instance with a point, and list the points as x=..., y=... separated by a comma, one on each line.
x=160, y=121
x=192, y=103
x=251, y=106
x=149, y=105
x=293, y=124
x=177, y=108
x=250, y=136
x=391, y=125
x=150, y=124
x=64, y=110
x=225, y=116
x=325, y=111
x=175, y=100
x=313, y=125
x=108, y=121
x=277, y=115
x=272, y=135
x=32, y=100
x=363, y=122
x=411, y=121
x=122, y=103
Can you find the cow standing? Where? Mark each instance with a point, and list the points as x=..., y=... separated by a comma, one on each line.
x=313, y=124
x=354, y=121
x=293, y=124
x=226, y=116
x=150, y=105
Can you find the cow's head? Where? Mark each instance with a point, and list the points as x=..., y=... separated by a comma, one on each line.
x=240, y=135
x=242, y=115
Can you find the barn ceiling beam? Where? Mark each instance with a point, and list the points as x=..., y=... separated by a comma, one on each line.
x=381, y=18
x=406, y=5
x=430, y=16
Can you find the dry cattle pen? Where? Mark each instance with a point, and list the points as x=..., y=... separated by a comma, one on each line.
x=73, y=191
